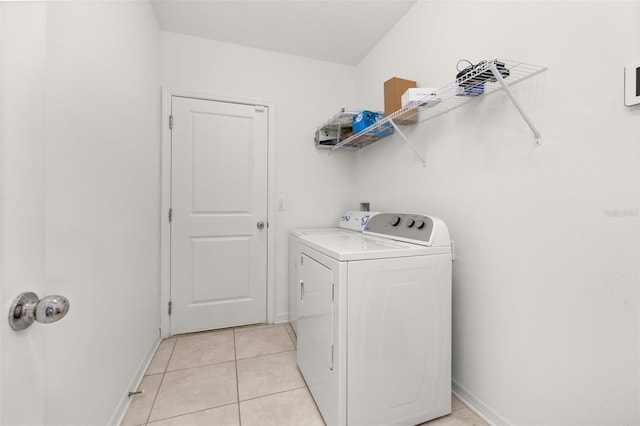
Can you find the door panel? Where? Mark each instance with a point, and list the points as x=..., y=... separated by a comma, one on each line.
x=210, y=258
x=219, y=194
x=220, y=161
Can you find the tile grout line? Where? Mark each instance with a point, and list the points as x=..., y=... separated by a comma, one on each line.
x=208, y=363
x=161, y=381
x=200, y=334
x=199, y=365
x=277, y=352
x=250, y=328
x=193, y=412
x=235, y=360
x=295, y=343
x=270, y=353
x=276, y=393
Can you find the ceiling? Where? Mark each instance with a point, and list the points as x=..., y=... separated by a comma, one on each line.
x=341, y=31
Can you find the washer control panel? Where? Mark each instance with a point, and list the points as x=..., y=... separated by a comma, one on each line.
x=355, y=220
x=414, y=228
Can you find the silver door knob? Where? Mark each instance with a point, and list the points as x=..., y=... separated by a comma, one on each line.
x=51, y=309
x=27, y=308
x=260, y=225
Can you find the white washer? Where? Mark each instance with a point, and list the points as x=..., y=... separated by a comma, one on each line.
x=350, y=222
x=374, y=321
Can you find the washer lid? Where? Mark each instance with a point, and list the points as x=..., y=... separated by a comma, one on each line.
x=350, y=222
x=356, y=246
x=321, y=231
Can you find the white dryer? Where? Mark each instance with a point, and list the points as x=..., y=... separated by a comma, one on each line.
x=350, y=222
x=374, y=321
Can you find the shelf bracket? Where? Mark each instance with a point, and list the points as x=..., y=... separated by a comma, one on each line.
x=507, y=89
x=413, y=148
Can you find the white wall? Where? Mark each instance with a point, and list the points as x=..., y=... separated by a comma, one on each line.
x=90, y=190
x=316, y=187
x=546, y=277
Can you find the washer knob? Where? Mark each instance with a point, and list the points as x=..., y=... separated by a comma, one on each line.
x=395, y=220
x=420, y=224
x=410, y=223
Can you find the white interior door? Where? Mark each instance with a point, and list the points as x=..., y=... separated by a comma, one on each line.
x=219, y=214
x=23, y=33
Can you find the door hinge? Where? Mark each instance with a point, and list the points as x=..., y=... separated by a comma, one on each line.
x=170, y=214
x=301, y=260
x=171, y=121
x=169, y=307
x=333, y=292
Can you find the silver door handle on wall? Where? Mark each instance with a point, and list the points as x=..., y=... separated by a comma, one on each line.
x=260, y=225
x=27, y=307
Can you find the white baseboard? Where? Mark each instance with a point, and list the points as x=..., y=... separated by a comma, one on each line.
x=123, y=404
x=281, y=318
x=479, y=407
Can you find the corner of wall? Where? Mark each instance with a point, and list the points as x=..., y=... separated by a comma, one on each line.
x=478, y=406
x=134, y=384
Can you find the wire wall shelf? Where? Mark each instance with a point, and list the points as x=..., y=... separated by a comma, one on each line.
x=484, y=79
x=339, y=128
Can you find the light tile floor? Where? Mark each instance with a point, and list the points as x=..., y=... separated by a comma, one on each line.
x=237, y=376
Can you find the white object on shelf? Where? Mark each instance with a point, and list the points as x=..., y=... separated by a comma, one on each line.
x=451, y=99
x=425, y=95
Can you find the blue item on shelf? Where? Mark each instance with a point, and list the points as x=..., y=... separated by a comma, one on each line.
x=471, y=91
x=365, y=119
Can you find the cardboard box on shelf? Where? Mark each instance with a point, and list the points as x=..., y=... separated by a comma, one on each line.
x=394, y=88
